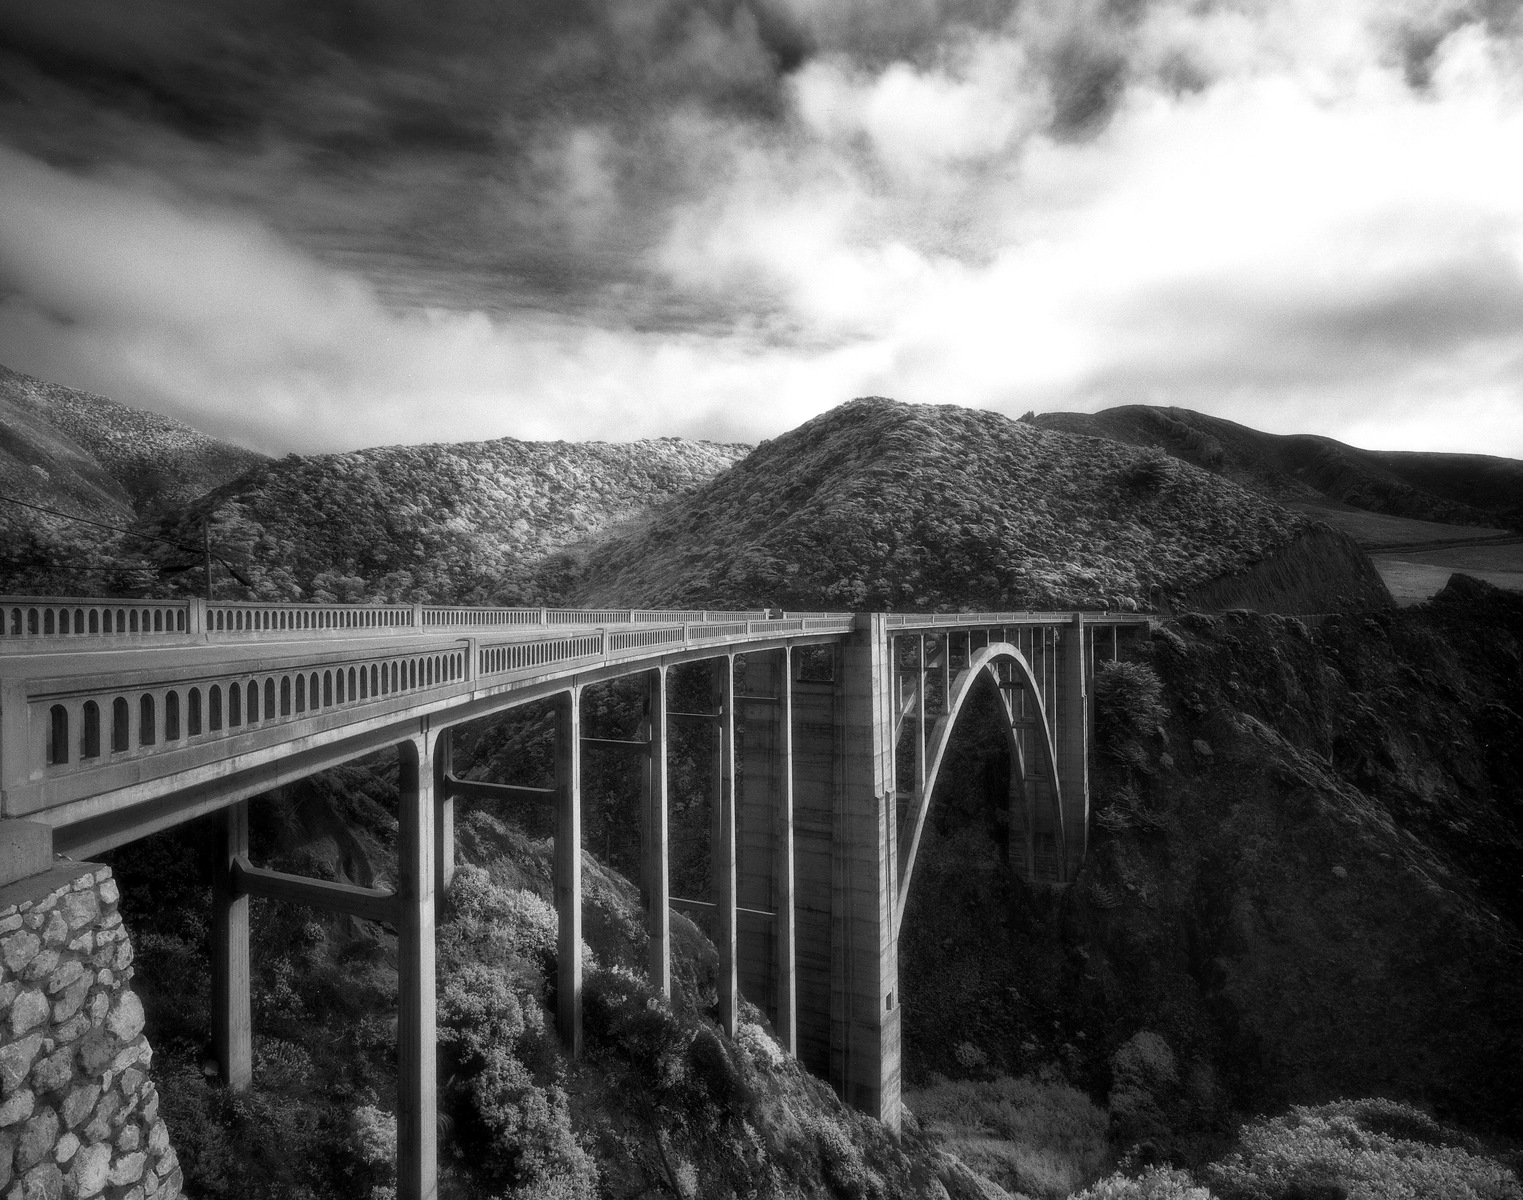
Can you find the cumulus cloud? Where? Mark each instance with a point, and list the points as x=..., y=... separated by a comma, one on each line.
x=330, y=228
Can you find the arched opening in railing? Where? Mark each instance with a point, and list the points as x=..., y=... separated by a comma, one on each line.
x=58, y=735
x=89, y=740
x=121, y=718
x=145, y=725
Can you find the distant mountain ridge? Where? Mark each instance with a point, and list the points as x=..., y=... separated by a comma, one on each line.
x=1456, y=489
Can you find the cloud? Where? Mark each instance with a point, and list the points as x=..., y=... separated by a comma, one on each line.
x=314, y=228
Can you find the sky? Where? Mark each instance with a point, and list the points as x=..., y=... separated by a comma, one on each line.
x=308, y=226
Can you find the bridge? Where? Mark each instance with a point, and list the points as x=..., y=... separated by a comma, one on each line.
x=122, y=718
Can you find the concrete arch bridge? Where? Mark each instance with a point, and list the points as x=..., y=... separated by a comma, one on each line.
x=121, y=718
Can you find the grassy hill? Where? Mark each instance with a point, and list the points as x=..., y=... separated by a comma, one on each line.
x=471, y=522
x=148, y=461
x=884, y=505
x=1455, y=489
x=89, y=457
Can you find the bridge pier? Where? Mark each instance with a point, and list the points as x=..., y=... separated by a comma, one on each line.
x=568, y=868
x=232, y=1027
x=864, y=993
x=1071, y=730
x=655, y=844
x=444, y=815
x=765, y=842
x=724, y=865
x=417, y=1036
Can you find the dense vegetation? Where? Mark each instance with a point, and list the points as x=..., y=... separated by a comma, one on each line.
x=879, y=505
x=454, y=524
x=1302, y=885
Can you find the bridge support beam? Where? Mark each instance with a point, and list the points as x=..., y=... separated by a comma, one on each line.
x=724, y=872
x=417, y=1038
x=568, y=868
x=232, y=1028
x=864, y=1000
x=1072, y=729
x=765, y=842
x=444, y=815
x=655, y=858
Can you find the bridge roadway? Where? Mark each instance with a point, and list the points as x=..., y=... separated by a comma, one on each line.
x=122, y=718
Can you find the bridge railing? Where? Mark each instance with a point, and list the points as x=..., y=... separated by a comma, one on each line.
x=29, y=617
x=72, y=730
x=926, y=620
x=40, y=621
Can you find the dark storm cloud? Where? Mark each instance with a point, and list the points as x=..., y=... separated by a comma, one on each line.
x=327, y=224
x=422, y=132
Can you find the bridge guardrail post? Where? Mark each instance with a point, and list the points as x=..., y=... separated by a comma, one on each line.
x=195, y=618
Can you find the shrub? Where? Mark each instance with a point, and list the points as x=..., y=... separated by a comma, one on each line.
x=1157, y=1183
x=1043, y=1138
x=1128, y=704
x=1358, y=1150
x=478, y=1008
x=764, y=1053
x=1145, y=1076
x=531, y=1148
x=1148, y=473
x=1145, y=1061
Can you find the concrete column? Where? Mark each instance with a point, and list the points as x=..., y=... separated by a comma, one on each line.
x=923, y=681
x=816, y=779
x=417, y=1041
x=232, y=1027
x=785, y=1021
x=724, y=853
x=568, y=868
x=1072, y=720
x=946, y=671
x=864, y=1008
x=655, y=878
x=444, y=816
x=756, y=788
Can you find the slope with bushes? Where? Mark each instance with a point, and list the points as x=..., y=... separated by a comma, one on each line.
x=660, y=1103
x=1303, y=883
x=880, y=505
x=153, y=461
x=470, y=523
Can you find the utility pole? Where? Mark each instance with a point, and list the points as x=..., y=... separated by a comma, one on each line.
x=206, y=547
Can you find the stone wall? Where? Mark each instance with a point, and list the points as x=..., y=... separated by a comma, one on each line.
x=79, y=1117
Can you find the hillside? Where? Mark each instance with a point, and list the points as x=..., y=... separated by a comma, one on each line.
x=91, y=458
x=1455, y=489
x=457, y=523
x=155, y=462
x=884, y=505
x=1302, y=884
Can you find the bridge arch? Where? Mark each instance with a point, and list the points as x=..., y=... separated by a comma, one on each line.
x=984, y=664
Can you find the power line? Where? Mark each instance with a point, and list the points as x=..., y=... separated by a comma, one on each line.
x=231, y=569
x=99, y=524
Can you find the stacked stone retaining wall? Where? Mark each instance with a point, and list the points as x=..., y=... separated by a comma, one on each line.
x=79, y=1116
